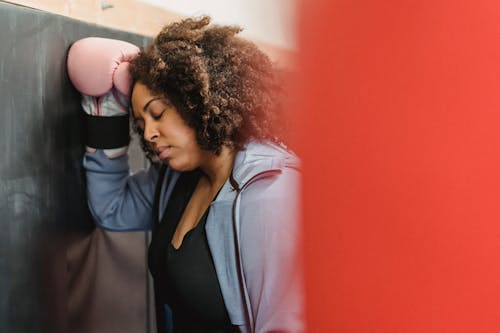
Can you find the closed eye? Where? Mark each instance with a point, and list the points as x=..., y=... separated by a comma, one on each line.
x=158, y=116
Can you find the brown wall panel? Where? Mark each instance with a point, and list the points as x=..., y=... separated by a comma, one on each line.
x=58, y=272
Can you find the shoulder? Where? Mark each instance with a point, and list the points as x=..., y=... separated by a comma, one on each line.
x=273, y=188
x=268, y=175
x=270, y=192
x=262, y=161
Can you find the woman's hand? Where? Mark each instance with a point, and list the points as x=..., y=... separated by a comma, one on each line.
x=98, y=68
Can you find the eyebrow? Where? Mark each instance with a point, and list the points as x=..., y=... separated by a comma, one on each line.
x=145, y=108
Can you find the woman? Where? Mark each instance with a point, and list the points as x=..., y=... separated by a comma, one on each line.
x=221, y=195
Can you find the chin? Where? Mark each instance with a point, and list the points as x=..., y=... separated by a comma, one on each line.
x=179, y=166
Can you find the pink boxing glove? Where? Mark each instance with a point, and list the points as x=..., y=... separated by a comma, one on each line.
x=95, y=65
x=98, y=68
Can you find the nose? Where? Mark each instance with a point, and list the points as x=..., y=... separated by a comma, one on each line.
x=150, y=132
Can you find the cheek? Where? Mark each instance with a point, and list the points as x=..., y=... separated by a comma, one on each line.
x=191, y=140
x=191, y=154
x=183, y=136
x=191, y=148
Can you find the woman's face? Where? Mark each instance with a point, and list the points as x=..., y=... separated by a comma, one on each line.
x=164, y=129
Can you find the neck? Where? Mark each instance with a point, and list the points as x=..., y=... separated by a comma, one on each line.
x=217, y=168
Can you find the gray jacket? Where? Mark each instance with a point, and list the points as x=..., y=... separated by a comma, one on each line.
x=252, y=229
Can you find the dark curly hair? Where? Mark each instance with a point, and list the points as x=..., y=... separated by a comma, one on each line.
x=223, y=86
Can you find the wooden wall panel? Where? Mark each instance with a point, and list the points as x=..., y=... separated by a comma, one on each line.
x=132, y=16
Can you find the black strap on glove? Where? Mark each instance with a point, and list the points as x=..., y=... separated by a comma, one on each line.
x=107, y=132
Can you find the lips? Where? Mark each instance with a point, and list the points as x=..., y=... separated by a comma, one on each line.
x=163, y=152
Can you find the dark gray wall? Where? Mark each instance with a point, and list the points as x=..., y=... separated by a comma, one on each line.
x=47, y=238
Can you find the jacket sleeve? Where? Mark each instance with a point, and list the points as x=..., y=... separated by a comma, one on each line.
x=118, y=200
x=269, y=237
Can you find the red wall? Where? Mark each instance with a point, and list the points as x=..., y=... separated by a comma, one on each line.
x=399, y=113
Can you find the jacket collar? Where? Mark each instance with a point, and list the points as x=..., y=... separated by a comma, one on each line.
x=259, y=157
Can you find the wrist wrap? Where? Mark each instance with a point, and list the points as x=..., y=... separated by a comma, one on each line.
x=107, y=132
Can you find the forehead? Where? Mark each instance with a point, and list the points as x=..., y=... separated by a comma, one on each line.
x=141, y=96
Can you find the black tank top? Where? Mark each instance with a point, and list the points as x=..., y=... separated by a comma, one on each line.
x=185, y=278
